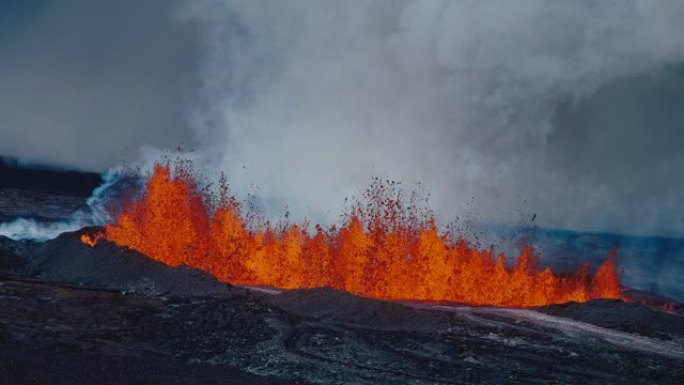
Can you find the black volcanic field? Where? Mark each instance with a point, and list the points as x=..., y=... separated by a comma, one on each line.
x=71, y=314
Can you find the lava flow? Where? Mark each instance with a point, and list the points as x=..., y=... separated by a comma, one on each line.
x=385, y=248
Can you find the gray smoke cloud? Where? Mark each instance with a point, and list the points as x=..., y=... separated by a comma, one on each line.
x=86, y=83
x=571, y=110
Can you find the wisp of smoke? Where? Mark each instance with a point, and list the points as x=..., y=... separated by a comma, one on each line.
x=95, y=214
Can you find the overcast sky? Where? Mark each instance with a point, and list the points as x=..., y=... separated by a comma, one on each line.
x=570, y=110
x=87, y=82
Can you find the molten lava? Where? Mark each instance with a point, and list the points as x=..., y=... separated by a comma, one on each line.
x=385, y=249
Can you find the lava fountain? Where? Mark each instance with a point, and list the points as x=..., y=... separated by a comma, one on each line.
x=385, y=248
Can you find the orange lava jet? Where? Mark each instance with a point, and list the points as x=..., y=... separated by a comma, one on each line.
x=385, y=248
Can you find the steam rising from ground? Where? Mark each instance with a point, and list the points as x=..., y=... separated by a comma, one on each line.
x=95, y=213
x=474, y=99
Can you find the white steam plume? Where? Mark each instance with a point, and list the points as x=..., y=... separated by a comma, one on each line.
x=307, y=99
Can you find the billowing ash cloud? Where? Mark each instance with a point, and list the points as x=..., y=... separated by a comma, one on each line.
x=85, y=83
x=571, y=110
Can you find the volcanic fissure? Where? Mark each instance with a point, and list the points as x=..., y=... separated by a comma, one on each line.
x=386, y=248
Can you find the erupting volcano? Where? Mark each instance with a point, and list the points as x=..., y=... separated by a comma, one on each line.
x=189, y=192
x=386, y=248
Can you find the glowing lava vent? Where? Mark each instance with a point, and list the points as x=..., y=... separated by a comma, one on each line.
x=385, y=248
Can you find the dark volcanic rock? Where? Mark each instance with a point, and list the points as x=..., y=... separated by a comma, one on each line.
x=56, y=333
x=75, y=366
x=333, y=306
x=108, y=265
x=619, y=315
x=13, y=253
x=40, y=206
x=51, y=181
